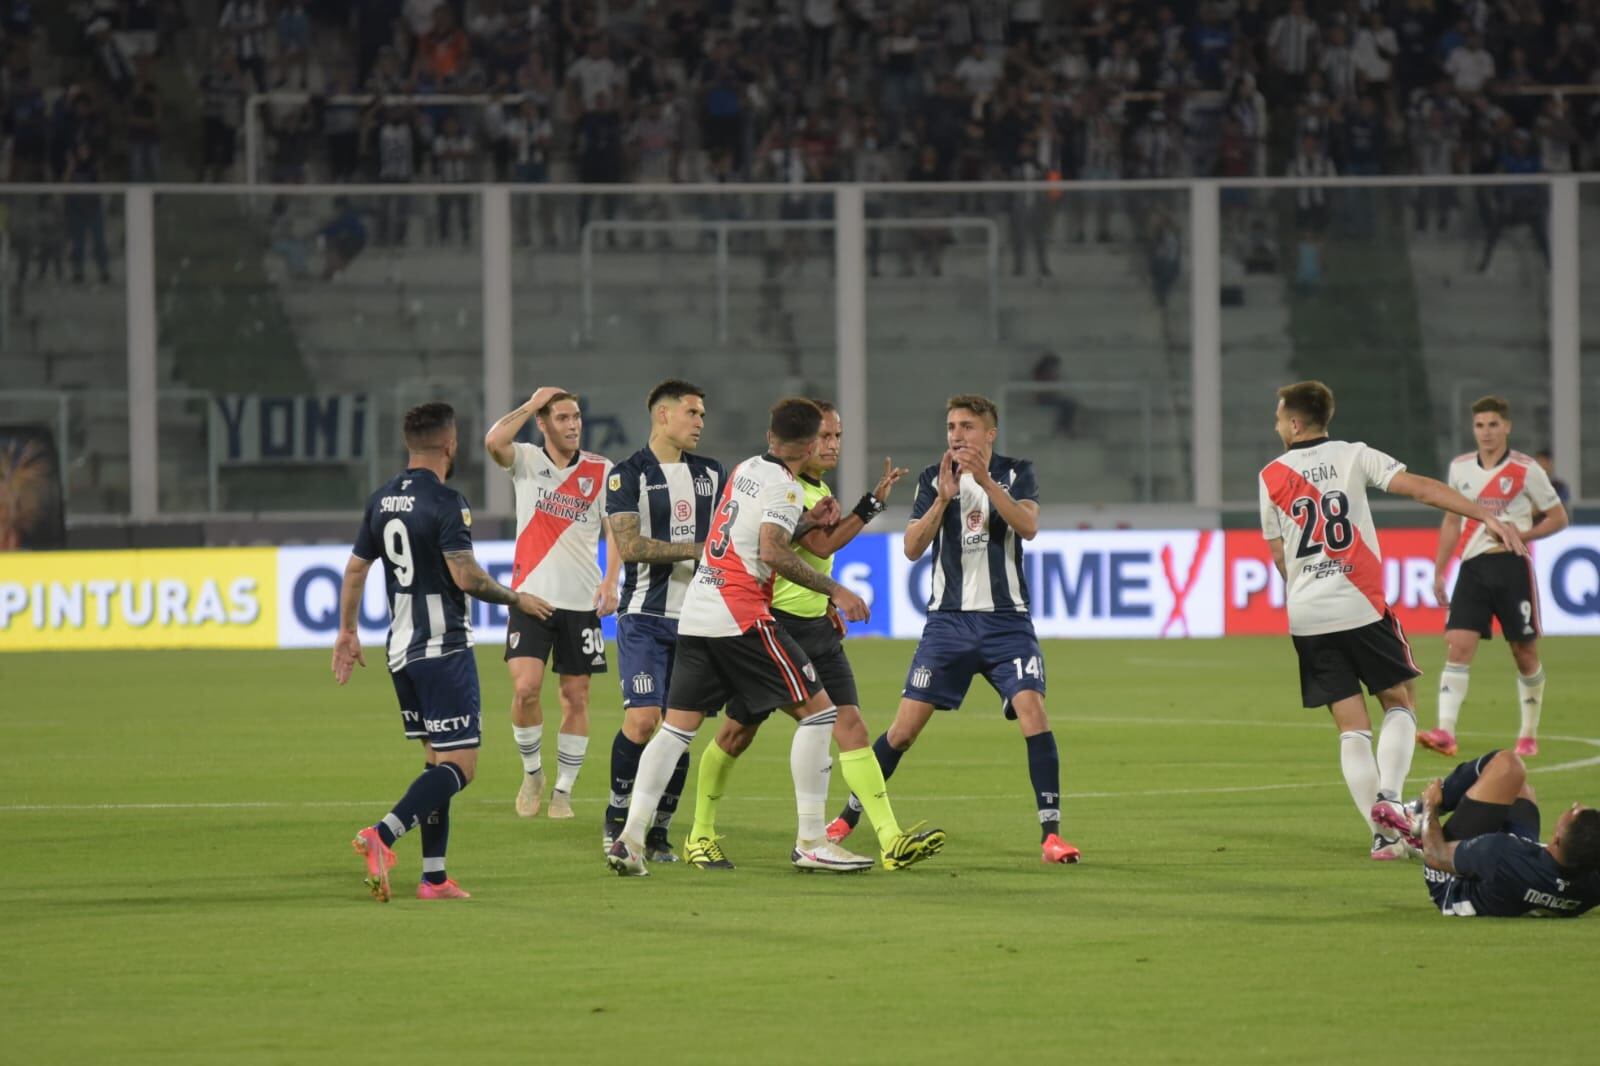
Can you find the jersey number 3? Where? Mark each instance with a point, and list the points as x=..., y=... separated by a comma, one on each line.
x=1324, y=522
x=722, y=529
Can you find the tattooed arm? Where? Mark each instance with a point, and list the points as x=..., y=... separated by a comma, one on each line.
x=471, y=579
x=635, y=548
x=776, y=553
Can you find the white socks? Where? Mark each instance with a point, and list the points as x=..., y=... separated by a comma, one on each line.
x=1360, y=771
x=1453, y=680
x=810, y=763
x=659, y=759
x=1396, y=744
x=1530, y=699
x=570, y=750
x=528, y=739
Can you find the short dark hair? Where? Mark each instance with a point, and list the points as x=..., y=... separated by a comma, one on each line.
x=1580, y=843
x=981, y=406
x=557, y=398
x=795, y=418
x=1311, y=400
x=426, y=423
x=1484, y=405
x=672, y=389
x=825, y=406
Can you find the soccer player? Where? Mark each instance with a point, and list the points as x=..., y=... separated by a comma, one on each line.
x=1315, y=496
x=422, y=531
x=810, y=619
x=560, y=491
x=1493, y=583
x=731, y=652
x=1486, y=860
x=659, y=505
x=974, y=509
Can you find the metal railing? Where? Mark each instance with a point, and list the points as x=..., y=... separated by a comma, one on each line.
x=723, y=227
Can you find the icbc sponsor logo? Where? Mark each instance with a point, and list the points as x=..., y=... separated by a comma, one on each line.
x=1255, y=591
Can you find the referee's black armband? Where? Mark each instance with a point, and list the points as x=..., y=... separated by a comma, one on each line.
x=868, y=508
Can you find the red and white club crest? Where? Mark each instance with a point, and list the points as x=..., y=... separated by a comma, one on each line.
x=1506, y=481
x=682, y=511
x=974, y=520
x=586, y=485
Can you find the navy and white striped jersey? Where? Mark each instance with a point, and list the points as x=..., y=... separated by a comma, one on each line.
x=411, y=523
x=977, y=557
x=674, y=502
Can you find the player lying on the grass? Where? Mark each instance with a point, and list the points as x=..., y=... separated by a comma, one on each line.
x=815, y=625
x=560, y=493
x=1493, y=583
x=974, y=509
x=730, y=649
x=1486, y=861
x=659, y=505
x=422, y=531
x=1315, y=495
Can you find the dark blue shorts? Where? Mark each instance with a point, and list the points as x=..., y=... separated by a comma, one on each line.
x=439, y=701
x=645, y=647
x=957, y=646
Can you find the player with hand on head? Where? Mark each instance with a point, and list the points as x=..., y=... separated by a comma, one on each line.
x=814, y=623
x=731, y=653
x=974, y=509
x=1314, y=502
x=1493, y=583
x=422, y=532
x=659, y=505
x=1486, y=861
x=561, y=499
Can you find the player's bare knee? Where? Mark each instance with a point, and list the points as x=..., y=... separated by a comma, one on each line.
x=1527, y=793
x=639, y=723
x=1508, y=766
x=1525, y=653
x=734, y=738
x=850, y=731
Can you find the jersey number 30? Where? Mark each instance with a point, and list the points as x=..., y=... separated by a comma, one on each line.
x=1324, y=522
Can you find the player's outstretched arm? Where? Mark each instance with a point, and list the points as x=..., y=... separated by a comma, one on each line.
x=347, y=645
x=471, y=579
x=776, y=553
x=501, y=439
x=824, y=542
x=1438, y=494
x=634, y=548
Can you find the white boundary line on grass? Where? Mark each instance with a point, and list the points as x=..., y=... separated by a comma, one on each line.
x=246, y=805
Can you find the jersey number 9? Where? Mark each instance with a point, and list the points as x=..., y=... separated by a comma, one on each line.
x=397, y=546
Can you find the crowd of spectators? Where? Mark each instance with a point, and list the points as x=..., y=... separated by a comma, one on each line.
x=799, y=91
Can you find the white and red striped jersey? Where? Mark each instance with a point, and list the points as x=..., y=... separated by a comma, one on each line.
x=560, y=514
x=732, y=587
x=1511, y=490
x=1314, y=499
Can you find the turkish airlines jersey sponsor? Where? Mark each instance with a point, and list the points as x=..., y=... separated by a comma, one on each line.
x=1314, y=499
x=1511, y=490
x=732, y=587
x=560, y=513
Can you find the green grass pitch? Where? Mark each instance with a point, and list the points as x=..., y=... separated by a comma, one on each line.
x=181, y=890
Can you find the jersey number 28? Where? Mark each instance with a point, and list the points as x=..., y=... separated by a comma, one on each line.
x=1324, y=522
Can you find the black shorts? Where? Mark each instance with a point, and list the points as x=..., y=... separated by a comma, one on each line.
x=823, y=645
x=1334, y=666
x=1498, y=585
x=575, y=637
x=752, y=674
